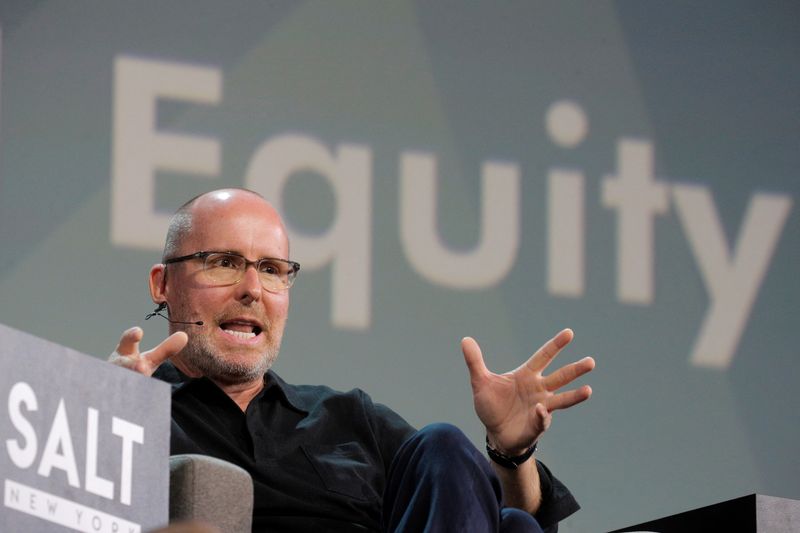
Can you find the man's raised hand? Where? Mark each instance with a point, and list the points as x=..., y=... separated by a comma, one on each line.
x=516, y=407
x=127, y=353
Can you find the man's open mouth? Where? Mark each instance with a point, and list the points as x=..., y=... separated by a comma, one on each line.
x=242, y=329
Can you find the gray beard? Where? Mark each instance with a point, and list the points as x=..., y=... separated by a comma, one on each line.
x=200, y=355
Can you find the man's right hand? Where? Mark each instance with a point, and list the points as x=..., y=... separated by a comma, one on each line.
x=127, y=354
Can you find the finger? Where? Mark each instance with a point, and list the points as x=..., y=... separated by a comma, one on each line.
x=564, y=400
x=129, y=342
x=569, y=373
x=168, y=347
x=474, y=359
x=549, y=350
x=544, y=418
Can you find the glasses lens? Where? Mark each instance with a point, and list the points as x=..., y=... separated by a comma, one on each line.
x=224, y=268
x=275, y=275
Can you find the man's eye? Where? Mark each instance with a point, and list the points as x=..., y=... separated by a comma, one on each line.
x=269, y=268
x=223, y=261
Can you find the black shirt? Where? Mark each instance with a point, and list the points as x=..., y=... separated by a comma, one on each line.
x=318, y=457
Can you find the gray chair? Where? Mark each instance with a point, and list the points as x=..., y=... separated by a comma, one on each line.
x=210, y=490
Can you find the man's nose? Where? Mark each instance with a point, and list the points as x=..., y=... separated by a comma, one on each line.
x=250, y=285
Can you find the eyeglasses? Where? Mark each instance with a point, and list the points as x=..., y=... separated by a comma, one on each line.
x=228, y=268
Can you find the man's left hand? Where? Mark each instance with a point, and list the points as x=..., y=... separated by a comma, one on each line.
x=516, y=407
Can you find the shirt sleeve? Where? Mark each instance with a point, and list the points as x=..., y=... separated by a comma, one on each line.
x=557, y=501
x=390, y=429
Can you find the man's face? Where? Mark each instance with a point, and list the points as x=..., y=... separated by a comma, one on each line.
x=243, y=323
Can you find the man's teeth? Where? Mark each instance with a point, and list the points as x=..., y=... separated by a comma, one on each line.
x=240, y=334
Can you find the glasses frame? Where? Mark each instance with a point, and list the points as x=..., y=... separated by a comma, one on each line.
x=295, y=266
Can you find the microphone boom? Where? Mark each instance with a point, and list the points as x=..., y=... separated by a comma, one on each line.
x=161, y=307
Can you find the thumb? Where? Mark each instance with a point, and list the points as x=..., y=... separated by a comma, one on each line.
x=129, y=342
x=474, y=360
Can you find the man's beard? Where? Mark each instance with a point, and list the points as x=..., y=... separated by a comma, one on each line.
x=202, y=357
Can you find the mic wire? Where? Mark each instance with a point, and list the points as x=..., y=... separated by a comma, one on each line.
x=158, y=312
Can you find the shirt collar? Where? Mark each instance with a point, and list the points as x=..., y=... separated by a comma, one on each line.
x=289, y=392
x=273, y=384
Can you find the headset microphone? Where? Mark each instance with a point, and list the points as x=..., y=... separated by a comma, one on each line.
x=162, y=306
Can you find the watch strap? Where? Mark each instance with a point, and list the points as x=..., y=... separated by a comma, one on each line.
x=508, y=461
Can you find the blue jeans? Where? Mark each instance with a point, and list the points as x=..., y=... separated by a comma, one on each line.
x=439, y=481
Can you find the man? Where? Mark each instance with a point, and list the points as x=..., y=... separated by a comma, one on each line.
x=323, y=460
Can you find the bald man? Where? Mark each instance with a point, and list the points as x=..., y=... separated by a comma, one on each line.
x=321, y=459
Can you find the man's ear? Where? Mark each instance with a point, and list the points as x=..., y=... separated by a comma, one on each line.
x=158, y=283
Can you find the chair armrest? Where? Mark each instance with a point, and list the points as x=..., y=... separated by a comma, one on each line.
x=210, y=490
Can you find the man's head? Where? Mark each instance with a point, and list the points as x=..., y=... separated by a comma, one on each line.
x=243, y=322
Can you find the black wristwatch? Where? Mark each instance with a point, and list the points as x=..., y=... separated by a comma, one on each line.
x=506, y=461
